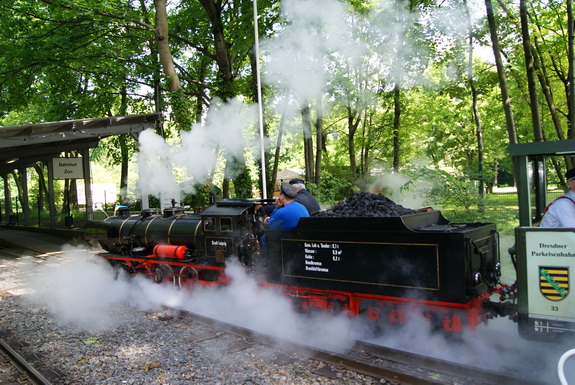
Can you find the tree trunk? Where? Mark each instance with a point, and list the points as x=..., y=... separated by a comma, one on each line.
x=274, y=174
x=353, y=120
x=396, y=126
x=533, y=98
x=42, y=186
x=505, y=98
x=549, y=98
x=366, y=140
x=124, y=151
x=307, y=142
x=166, y=59
x=319, y=141
x=476, y=118
x=18, y=181
x=223, y=58
x=571, y=92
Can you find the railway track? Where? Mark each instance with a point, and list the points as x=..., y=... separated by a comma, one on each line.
x=21, y=370
x=434, y=367
x=385, y=364
x=11, y=253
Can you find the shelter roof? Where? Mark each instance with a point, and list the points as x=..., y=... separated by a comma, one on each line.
x=288, y=174
x=25, y=144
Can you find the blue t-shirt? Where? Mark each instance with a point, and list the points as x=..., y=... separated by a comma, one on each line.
x=287, y=217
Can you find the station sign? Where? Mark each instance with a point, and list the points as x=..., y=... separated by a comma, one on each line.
x=550, y=264
x=68, y=168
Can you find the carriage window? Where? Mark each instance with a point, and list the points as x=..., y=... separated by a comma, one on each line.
x=210, y=224
x=226, y=224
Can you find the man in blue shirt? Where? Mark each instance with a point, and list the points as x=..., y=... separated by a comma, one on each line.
x=286, y=216
x=561, y=213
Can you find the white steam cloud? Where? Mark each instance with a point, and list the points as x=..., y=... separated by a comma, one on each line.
x=225, y=131
x=84, y=293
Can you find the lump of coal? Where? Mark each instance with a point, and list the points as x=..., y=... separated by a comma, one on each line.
x=365, y=204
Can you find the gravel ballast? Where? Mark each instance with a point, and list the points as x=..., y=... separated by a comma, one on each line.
x=127, y=342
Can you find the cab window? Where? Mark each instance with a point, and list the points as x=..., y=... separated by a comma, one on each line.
x=209, y=224
x=226, y=224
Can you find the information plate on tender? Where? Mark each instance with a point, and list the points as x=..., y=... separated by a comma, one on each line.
x=407, y=265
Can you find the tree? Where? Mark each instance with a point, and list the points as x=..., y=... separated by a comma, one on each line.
x=505, y=97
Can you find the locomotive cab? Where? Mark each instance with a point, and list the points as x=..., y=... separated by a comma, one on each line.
x=230, y=228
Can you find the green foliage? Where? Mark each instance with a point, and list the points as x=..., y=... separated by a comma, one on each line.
x=200, y=198
x=181, y=110
x=80, y=59
x=334, y=188
x=451, y=190
x=243, y=184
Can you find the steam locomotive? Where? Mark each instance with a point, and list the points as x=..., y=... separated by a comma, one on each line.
x=382, y=268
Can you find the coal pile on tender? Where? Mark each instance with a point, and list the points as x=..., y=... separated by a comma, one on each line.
x=365, y=204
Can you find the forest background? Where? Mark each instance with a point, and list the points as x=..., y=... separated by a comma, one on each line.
x=416, y=99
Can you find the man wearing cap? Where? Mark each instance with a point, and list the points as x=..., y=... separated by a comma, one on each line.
x=288, y=212
x=561, y=213
x=304, y=197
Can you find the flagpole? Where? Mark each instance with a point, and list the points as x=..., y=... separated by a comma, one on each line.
x=260, y=109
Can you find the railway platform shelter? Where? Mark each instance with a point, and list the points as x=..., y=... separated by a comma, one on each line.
x=23, y=146
x=529, y=159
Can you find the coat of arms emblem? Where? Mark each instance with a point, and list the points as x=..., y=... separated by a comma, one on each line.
x=554, y=282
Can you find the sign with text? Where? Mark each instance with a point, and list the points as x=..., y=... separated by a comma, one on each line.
x=550, y=264
x=407, y=265
x=68, y=168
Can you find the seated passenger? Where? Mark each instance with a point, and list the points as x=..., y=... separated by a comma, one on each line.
x=561, y=213
x=288, y=212
x=304, y=197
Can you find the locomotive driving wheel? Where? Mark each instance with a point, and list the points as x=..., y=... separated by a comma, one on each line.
x=188, y=277
x=163, y=273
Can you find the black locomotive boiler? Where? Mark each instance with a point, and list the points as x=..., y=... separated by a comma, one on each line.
x=381, y=268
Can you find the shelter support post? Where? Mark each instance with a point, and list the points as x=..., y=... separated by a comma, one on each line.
x=87, y=184
x=51, y=203
x=7, y=198
x=25, y=201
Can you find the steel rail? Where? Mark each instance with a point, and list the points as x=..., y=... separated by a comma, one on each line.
x=439, y=365
x=33, y=375
x=407, y=369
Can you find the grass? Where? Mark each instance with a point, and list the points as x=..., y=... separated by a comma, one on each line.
x=499, y=208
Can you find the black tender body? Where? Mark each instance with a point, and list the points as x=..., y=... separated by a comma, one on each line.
x=416, y=256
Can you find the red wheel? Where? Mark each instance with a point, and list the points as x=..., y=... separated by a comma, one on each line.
x=163, y=273
x=188, y=277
